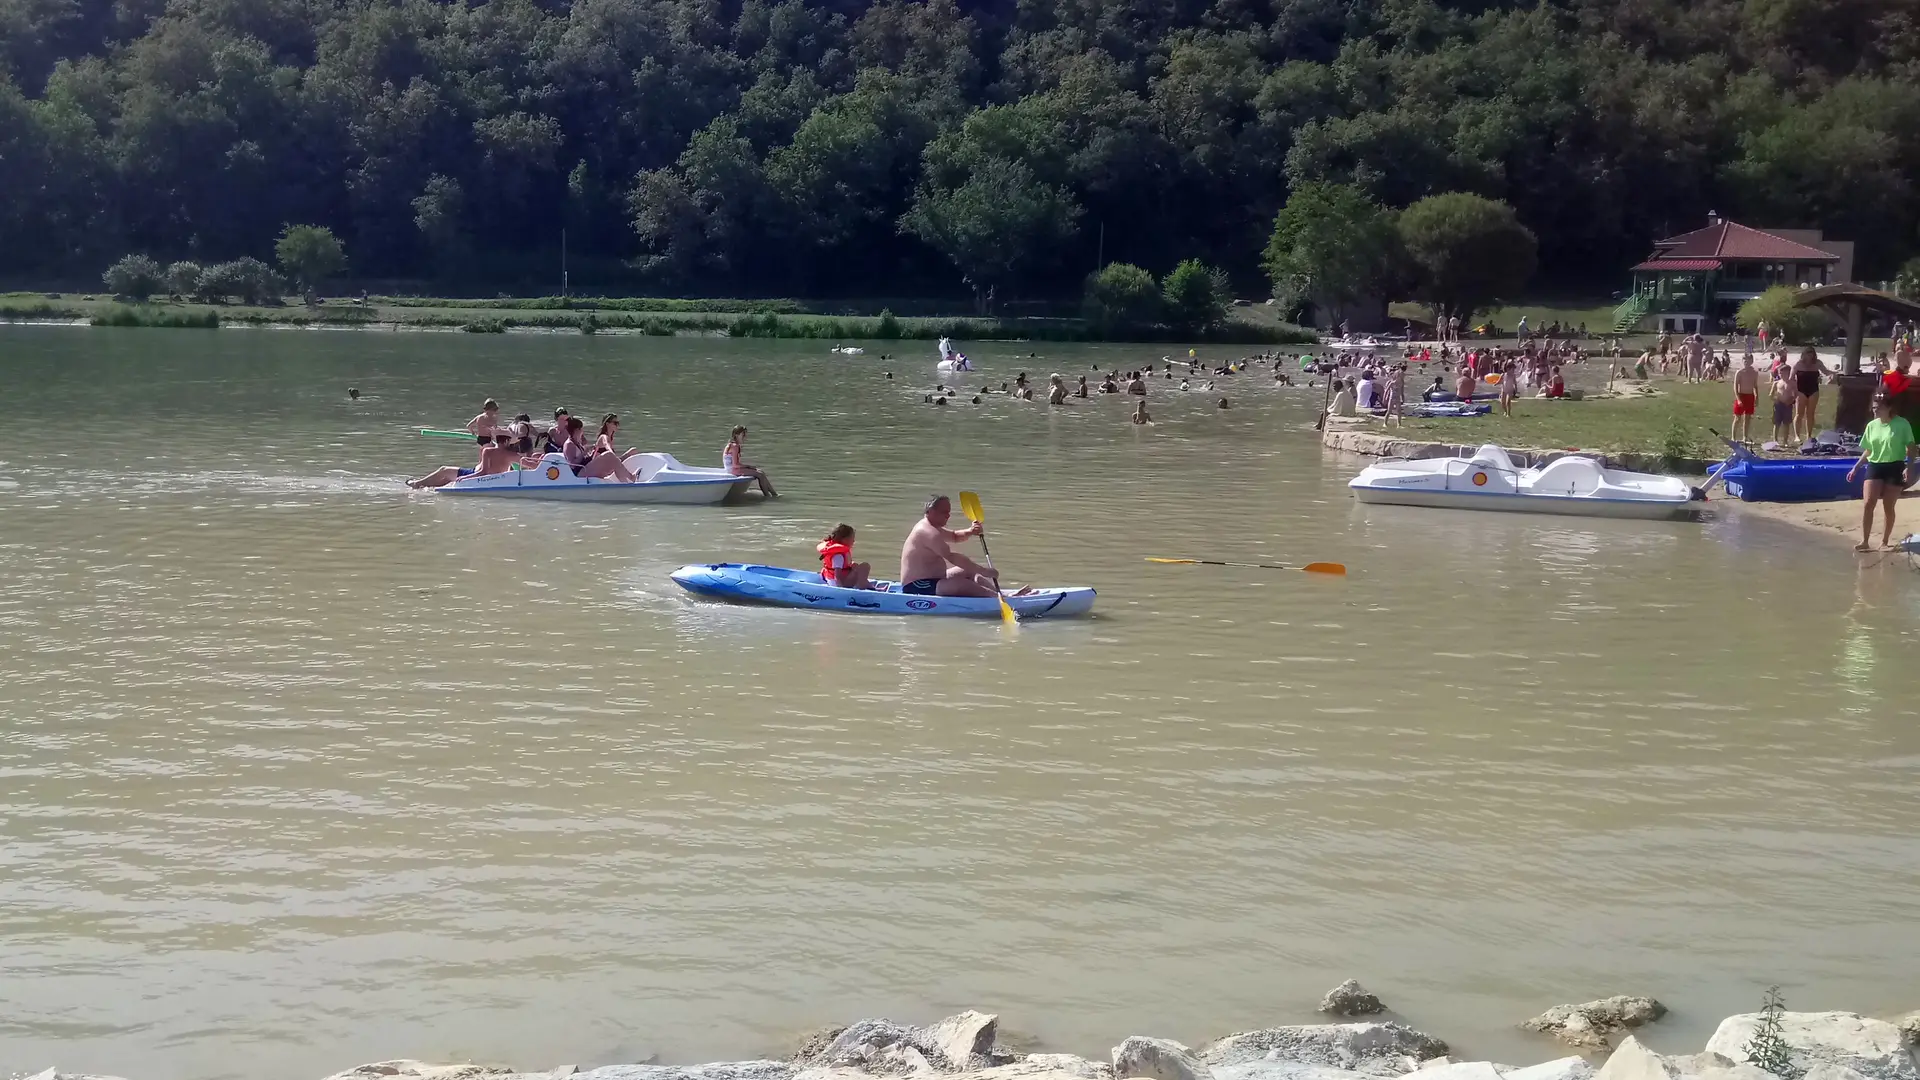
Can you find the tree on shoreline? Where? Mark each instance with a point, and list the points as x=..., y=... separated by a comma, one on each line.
x=1195, y=297
x=135, y=276
x=1331, y=245
x=992, y=224
x=1467, y=252
x=1121, y=296
x=309, y=255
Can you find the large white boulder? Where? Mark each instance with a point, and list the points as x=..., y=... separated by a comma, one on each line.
x=718, y=1070
x=1875, y=1049
x=957, y=1044
x=1461, y=1070
x=1573, y=1067
x=1157, y=1059
x=1633, y=1061
x=1045, y=1067
x=964, y=1039
x=1377, y=1049
x=1274, y=1069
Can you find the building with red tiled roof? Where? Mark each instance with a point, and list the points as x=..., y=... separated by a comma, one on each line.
x=1697, y=280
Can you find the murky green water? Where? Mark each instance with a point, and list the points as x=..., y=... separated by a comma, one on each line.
x=300, y=769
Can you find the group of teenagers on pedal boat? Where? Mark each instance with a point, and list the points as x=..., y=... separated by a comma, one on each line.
x=518, y=444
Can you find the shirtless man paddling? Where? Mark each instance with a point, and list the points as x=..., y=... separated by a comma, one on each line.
x=930, y=567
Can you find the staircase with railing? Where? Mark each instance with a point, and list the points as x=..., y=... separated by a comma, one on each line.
x=1628, y=315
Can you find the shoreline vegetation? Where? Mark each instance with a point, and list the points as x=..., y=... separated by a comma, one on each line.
x=1364, y=1042
x=650, y=317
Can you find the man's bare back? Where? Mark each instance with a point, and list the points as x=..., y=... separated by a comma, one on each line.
x=1746, y=381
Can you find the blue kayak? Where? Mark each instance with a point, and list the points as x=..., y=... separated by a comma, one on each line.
x=1805, y=479
x=804, y=589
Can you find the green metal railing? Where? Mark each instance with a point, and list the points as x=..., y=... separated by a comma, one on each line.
x=1629, y=314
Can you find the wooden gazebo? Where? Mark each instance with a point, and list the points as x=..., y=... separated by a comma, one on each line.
x=1849, y=305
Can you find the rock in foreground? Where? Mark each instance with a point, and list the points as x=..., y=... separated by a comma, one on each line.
x=1591, y=1026
x=1375, y=1049
x=1351, y=999
x=1566, y=1068
x=1157, y=1059
x=1875, y=1049
x=1633, y=1061
x=957, y=1044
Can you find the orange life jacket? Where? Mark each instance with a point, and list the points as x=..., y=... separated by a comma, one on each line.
x=828, y=549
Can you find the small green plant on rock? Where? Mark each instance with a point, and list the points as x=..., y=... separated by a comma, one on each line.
x=1767, y=1048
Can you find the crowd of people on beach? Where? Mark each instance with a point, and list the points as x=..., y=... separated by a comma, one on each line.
x=519, y=443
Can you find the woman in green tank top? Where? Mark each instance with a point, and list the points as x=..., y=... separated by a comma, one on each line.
x=1886, y=448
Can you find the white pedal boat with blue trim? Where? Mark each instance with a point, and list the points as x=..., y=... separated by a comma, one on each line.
x=1489, y=480
x=663, y=479
x=746, y=583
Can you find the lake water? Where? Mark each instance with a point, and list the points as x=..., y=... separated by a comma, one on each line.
x=299, y=768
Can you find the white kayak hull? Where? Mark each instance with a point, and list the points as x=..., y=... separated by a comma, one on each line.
x=781, y=587
x=1567, y=486
x=1524, y=504
x=664, y=480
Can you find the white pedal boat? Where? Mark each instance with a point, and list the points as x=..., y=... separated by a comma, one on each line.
x=663, y=479
x=1489, y=481
x=1358, y=343
x=751, y=584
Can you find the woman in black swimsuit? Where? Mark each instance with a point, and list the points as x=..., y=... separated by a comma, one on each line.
x=1807, y=373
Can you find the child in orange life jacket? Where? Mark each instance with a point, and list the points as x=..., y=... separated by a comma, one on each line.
x=836, y=561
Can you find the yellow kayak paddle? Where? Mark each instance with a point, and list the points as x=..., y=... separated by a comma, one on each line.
x=1311, y=568
x=970, y=506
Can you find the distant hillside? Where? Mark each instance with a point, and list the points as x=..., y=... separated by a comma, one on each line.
x=835, y=148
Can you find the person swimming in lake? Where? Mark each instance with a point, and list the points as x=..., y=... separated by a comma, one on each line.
x=837, y=567
x=1056, y=390
x=1140, y=412
x=1081, y=390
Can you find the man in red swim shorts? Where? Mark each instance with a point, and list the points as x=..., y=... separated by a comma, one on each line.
x=1746, y=394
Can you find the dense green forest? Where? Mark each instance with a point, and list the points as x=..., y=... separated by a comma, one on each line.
x=847, y=147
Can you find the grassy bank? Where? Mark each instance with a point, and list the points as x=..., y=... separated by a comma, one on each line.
x=1677, y=423
x=665, y=318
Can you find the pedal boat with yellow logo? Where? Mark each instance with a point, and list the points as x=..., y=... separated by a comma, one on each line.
x=662, y=479
x=1489, y=480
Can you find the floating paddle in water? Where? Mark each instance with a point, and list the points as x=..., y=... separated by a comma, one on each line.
x=970, y=506
x=1311, y=568
x=436, y=433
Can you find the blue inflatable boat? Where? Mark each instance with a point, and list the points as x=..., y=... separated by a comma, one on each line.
x=804, y=589
x=1806, y=479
